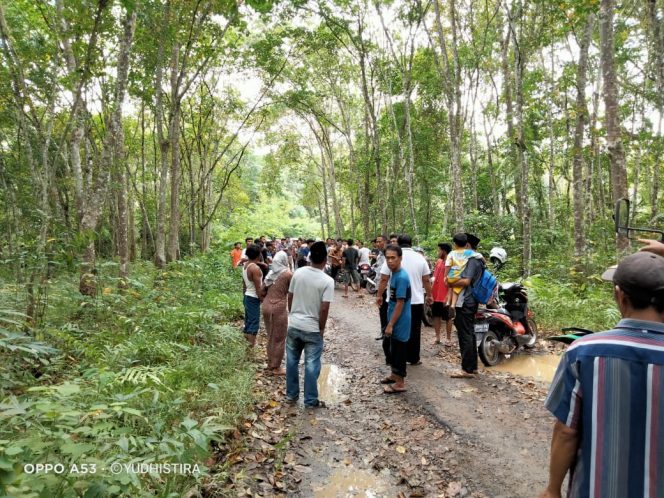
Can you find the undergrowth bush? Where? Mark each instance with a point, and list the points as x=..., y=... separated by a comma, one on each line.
x=150, y=375
x=566, y=304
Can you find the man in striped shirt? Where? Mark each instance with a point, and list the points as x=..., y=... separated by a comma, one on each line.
x=608, y=395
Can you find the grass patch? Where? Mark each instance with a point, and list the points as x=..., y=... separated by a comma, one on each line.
x=150, y=375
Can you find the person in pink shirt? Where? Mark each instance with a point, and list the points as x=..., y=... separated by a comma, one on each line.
x=440, y=310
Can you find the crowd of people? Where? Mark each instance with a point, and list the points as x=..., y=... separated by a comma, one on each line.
x=294, y=281
x=606, y=395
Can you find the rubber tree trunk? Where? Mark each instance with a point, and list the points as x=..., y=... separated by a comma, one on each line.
x=174, y=140
x=577, y=168
x=612, y=111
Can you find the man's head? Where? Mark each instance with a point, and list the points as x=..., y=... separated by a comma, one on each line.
x=639, y=284
x=269, y=245
x=318, y=253
x=393, y=257
x=393, y=238
x=262, y=239
x=460, y=240
x=238, y=245
x=349, y=242
x=381, y=242
x=443, y=250
x=404, y=240
x=253, y=252
x=248, y=241
x=473, y=240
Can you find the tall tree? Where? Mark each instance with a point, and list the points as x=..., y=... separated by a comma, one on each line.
x=581, y=119
x=612, y=109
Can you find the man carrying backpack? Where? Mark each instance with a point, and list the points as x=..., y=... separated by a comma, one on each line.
x=466, y=307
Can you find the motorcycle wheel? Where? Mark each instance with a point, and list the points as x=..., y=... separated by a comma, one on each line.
x=371, y=288
x=489, y=354
x=341, y=277
x=533, y=331
x=427, y=316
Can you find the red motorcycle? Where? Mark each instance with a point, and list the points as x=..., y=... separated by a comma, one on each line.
x=506, y=328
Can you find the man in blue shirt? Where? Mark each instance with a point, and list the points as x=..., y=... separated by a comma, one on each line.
x=608, y=397
x=398, y=326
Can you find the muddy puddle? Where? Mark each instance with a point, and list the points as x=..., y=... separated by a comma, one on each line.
x=540, y=367
x=330, y=384
x=349, y=482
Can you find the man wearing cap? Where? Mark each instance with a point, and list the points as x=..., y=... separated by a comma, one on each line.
x=608, y=395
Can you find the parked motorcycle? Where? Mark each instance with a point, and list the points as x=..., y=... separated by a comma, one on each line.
x=341, y=274
x=507, y=328
x=573, y=333
x=364, y=270
x=371, y=279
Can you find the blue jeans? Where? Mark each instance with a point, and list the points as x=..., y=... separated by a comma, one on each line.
x=312, y=344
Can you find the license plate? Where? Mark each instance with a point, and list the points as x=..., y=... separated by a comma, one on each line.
x=364, y=272
x=482, y=327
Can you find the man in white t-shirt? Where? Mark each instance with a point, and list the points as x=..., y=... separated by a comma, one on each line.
x=309, y=296
x=365, y=254
x=418, y=271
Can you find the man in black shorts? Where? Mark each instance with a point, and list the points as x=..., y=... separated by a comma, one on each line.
x=439, y=289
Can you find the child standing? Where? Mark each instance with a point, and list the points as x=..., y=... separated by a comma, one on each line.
x=455, y=264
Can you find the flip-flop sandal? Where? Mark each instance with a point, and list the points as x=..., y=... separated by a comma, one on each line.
x=392, y=390
x=387, y=380
x=462, y=375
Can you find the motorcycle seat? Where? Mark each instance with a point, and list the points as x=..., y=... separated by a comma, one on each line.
x=503, y=311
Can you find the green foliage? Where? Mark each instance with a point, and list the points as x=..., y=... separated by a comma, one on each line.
x=568, y=305
x=150, y=375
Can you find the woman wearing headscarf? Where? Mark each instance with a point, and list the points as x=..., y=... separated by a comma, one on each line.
x=275, y=311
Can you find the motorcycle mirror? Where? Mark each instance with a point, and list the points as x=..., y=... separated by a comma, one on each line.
x=621, y=220
x=621, y=217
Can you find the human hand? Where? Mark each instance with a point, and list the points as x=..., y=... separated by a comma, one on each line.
x=379, y=300
x=388, y=330
x=429, y=300
x=653, y=246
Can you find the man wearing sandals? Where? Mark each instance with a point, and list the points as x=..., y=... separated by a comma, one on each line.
x=309, y=296
x=466, y=307
x=399, y=316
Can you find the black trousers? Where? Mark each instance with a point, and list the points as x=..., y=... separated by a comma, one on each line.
x=465, y=326
x=398, y=356
x=383, y=323
x=382, y=311
x=413, y=349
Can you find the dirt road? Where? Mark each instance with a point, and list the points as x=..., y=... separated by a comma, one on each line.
x=484, y=437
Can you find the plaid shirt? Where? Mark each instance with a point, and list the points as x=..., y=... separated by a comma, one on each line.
x=609, y=387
